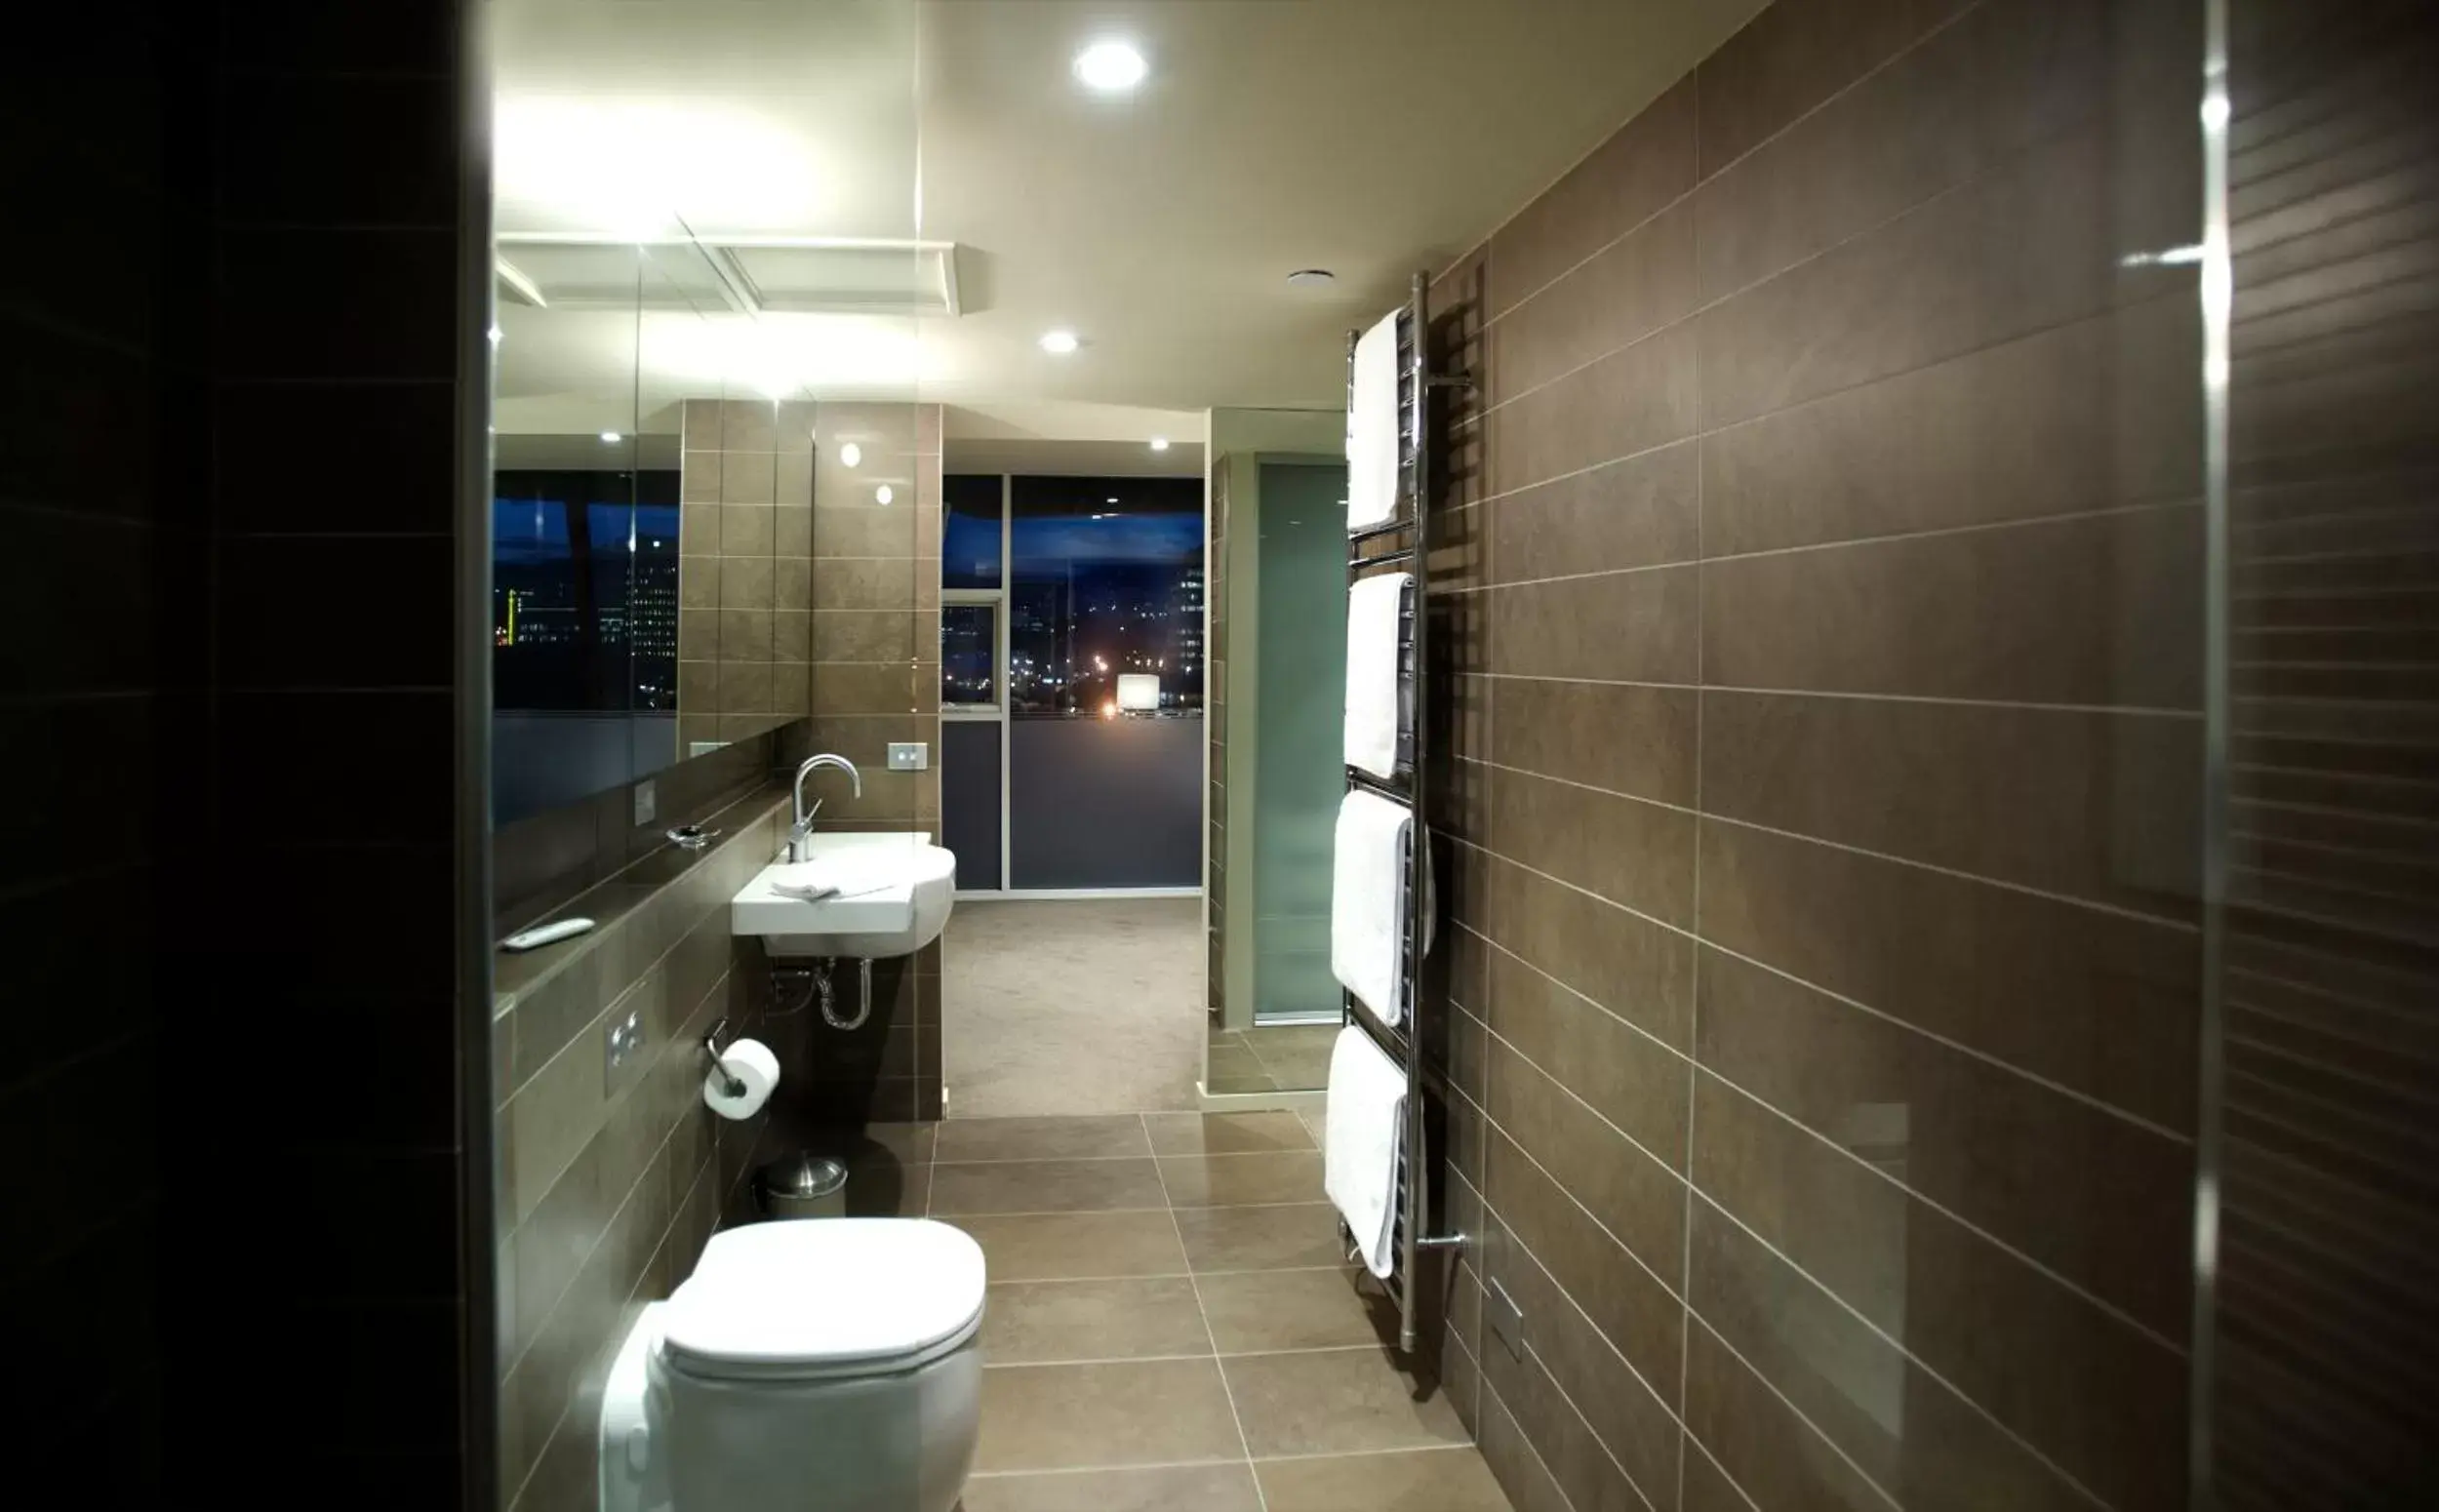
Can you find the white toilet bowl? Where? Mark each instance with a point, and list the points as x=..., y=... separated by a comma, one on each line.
x=823, y=1365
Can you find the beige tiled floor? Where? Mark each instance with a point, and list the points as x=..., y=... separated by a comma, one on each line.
x=1170, y=1327
x=1271, y=1057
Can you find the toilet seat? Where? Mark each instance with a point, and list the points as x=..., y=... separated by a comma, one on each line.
x=819, y=1298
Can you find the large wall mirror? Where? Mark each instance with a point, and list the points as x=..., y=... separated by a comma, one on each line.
x=708, y=292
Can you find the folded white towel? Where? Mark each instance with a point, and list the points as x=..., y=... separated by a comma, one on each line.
x=1375, y=696
x=1368, y=901
x=1371, y=446
x=1363, y=1130
x=813, y=882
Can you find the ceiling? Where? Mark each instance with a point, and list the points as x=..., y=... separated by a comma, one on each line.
x=1368, y=137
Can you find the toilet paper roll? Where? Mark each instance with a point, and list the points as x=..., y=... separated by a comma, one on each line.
x=751, y=1062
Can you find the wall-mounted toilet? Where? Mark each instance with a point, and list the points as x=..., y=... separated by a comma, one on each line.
x=816, y=1366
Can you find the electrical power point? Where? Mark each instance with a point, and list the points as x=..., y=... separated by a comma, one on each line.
x=647, y=802
x=626, y=1036
x=909, y=756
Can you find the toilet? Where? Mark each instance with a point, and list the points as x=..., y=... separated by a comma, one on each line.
x=816, y=1365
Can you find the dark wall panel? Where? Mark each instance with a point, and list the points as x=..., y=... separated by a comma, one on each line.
x=969, y=800
x=1095, y=803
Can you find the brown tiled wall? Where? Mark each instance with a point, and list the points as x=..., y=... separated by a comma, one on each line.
x=230, y=888
x=876, y=678
x=744, y=567
x=2326, y=1317
x=609, y=1182
x=1823, y=606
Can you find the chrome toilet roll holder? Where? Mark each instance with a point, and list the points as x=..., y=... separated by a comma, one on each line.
x=731, y=1083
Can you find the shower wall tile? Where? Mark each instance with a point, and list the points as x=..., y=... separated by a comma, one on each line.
x=1822, y=850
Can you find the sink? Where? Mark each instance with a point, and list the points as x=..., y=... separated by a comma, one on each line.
x=896, y=892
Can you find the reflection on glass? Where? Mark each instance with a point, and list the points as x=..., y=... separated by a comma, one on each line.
x=967, y=647
x=1299, y=746
x=1106, y=582
x=584, y=590
x=970, y=538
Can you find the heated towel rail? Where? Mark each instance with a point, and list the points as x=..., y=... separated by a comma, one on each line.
x=1368, y=549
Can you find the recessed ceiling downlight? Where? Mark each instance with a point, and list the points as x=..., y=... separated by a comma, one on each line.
x=851, y=454
x=1110, y=68
x=611, y=437
x=1160, y=443
x=1311, y=278
x=884, y=493
x=1059, y=344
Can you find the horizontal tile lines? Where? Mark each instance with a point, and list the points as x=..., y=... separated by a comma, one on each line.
x=1585, y=788
x=100, y=518
x=624, y=990
x=2131, y=710
x=1984, y=1056
x=1570, y=1095
x=339, y=536
x=1882, y=1335
x=1835, y=844
x=704, y=1171
x=1586, y=1320
x=2350, y=1112
x=1571, y=886
x=1932, y=533
x=1701, y=178
x=2330, y=885
x=2403, y=934
x=1690, y=1440
x=1605, y=572
x=1561, y=1187
x=2411, y=1090
x=1959, y=1220
x=508, y=1368
x=1793, y=1410
x=2362, y=1005
x=1587, y=1001
x=1591, y=1433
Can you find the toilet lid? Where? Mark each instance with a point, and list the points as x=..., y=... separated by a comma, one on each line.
x=806, y=1295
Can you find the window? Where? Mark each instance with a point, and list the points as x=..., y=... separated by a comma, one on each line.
x=969, y=655
x=1105, y=581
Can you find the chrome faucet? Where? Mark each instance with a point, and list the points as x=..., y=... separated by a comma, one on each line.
x=800, y=833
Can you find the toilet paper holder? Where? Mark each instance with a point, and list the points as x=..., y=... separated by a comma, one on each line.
x=730, y=1082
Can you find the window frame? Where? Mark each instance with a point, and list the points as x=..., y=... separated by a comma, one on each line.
x=996, y=599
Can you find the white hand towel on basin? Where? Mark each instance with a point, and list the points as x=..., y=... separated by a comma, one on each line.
x=812, y=882
x=1371, y=429
x=1363, y=1130
x=1368, y=903
x=1374, y=694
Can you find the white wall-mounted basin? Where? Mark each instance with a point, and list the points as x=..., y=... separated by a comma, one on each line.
x=894, y=894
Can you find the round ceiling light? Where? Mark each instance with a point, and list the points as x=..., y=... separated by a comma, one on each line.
x=1160, y=443
x=611, y=437
x=884, y=493
x=1110, y=68
x=850, y=453
x=1059, y=344
x=1311, y=278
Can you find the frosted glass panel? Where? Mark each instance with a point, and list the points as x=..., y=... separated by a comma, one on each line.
x=1299, y=745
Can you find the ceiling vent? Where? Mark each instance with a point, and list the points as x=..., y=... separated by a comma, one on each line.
x=800, y=276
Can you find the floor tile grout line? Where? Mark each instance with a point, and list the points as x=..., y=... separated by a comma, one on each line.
x=1369, y=1347
x=1227, y=1392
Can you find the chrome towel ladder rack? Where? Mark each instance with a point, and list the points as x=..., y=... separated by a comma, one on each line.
x=1409, y=787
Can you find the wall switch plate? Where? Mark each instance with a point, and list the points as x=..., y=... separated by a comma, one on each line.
x=1505, y=1317
x=909, y=756
x=647, y=801
x=626, y=1036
